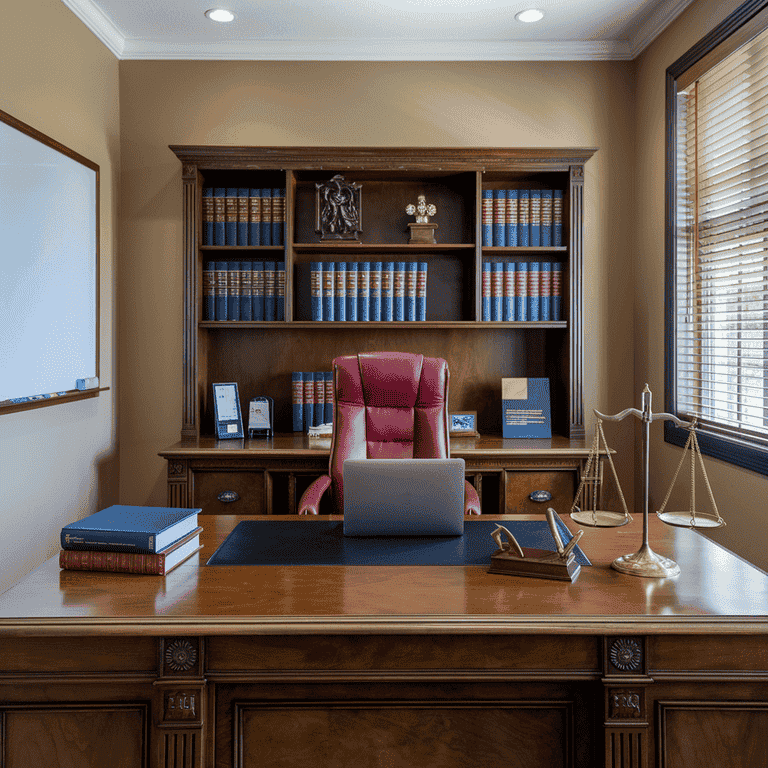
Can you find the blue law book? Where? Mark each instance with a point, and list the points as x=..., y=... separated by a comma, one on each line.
x=374, y=291
x=278, y=216
x=316, y=289
x=508, y=300
x=257, y=288
x=219, y=215
x=246, y=290
x=222, y=286
x=499, y=216
x=546, y=217
x=308, y=399
x=534, y=307
x=387, y=290
x=411, y=276
x=486, y=288
x=557, y=290
x=398, y=294
x=233, y=290
x=209, y=291
x=297, y=401
x=242, y=215
x=340, y=292
x=535, y=217
x=328, y=415
x=525, y=408
x=352, y=288
x=486, y=213
x=318, y=406
x=421, y=291
x=266, y=216
x=521, y=290
x=329, y=284
x=510, y=217
x=364, y=298
x=124, y=528
x=280, y=290
x=254, y=216
x=545, y=293
x=523, y=220
x=207, y=215
x=270, y=295
x=230, y=216
x=557, y=217
x=497, y=289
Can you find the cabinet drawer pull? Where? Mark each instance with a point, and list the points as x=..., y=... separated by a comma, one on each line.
x=227, y=497
x=540, y=496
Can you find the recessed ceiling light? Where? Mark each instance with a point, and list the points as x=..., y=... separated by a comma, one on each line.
x=219, y=14
x=530, y=15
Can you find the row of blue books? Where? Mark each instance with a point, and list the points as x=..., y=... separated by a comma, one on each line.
x=244, y=290
x=243, y=216
x=523, y=290
x=312, y=399
x=368, y=290
x=522, y=217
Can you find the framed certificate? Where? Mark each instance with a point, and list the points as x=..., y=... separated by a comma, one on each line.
x=260, y=417
x=226, y=403
x=463, y=424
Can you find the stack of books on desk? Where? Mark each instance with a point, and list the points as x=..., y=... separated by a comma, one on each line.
x=130, y=539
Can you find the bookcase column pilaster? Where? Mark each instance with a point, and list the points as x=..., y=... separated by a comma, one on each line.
x=192, y=215
x=576, y=303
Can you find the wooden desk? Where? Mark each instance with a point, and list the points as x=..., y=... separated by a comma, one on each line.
x=411, y=666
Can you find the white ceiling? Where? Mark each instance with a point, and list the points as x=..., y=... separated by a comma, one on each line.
x=377, y=30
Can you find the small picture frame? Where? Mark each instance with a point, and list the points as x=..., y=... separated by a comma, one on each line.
x=463, y=424
x=261, y=412
x=226, y=403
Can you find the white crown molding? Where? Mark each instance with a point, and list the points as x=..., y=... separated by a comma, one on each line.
x=655, y=24
x=101, y=26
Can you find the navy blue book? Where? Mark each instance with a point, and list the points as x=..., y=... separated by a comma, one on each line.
x=388, y=290
x=242, y=216
x=328, y=415
x=557, y=290
x=351, y=293
x=233, y=290
x=534, y=307
x=510, y=218
x=308, y=398
x=278, y=216
x=257, y=290
x=557, y=217
x=316, y=289
x=411, y=276
x=280, y=290
x=545, y=291
x=497, y=289
x=398, y=294
x=297, y=401
x=123, y=528
x=523, y=220
x=222, y=285
x=318, y=406
x=340, y=291
x=486, y=288
x=266, y=216
x=254, y=216
x=521, y=290
x=207, y=215
x=499, y=216
x=209, y=291
x=508, y=299
x=364, y=298
x=374, y=291
x=329, y=285
x=219, y=216
x=230, y=216
x=535, y=217
x=246, y=290
x=546, y=217
x=421, y=291
x=270, y=295
x=486, y=214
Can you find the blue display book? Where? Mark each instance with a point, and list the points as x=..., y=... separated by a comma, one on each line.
x=123, y=528
x=525, y=408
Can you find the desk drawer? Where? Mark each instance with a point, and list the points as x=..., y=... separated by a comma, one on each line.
x=229, y=492
x=521, y=484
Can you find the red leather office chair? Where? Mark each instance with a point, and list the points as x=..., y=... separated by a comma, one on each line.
x=387, y=405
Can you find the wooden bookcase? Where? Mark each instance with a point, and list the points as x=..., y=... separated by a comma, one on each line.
x=260, y=356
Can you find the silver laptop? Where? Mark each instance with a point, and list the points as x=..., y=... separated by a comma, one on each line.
x=403, y=497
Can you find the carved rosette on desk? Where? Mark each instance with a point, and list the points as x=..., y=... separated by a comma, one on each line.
x=339, y=209
x=422, y=230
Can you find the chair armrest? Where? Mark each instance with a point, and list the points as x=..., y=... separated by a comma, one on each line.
x=310, y=499
x=471, y=500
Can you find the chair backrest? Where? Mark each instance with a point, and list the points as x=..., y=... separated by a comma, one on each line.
x=387, y=405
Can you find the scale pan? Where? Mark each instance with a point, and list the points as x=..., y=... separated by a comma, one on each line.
x=599, y=518
x=686, y=520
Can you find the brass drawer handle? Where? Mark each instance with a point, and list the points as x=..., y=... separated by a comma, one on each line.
x=227, y=497
x=540, y=496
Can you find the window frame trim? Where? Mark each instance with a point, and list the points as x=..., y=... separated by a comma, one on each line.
x=752, y=458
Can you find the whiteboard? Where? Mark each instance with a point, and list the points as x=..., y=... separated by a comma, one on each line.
x=48, y=264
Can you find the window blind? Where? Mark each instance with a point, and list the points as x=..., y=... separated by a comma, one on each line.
x=721, y=246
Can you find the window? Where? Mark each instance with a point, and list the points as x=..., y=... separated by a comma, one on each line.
x=717, y=240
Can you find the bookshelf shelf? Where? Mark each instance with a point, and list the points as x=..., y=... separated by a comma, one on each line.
x=393, y=325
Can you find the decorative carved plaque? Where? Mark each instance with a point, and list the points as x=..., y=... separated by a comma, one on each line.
x=180, y=705
x=626, y=654
x=180, y=656
x=624, y=704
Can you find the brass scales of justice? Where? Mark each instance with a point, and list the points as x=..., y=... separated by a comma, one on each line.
x=644, y=562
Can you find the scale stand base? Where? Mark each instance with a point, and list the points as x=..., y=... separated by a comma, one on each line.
x=645, y=562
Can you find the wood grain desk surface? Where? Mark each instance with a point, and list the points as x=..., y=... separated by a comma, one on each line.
x=716, y=592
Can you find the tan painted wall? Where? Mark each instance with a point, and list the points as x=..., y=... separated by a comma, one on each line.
x=562, y=104
x=58, y=464
x=740, y=494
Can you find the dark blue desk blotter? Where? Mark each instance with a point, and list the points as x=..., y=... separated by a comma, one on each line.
x=288, y=542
